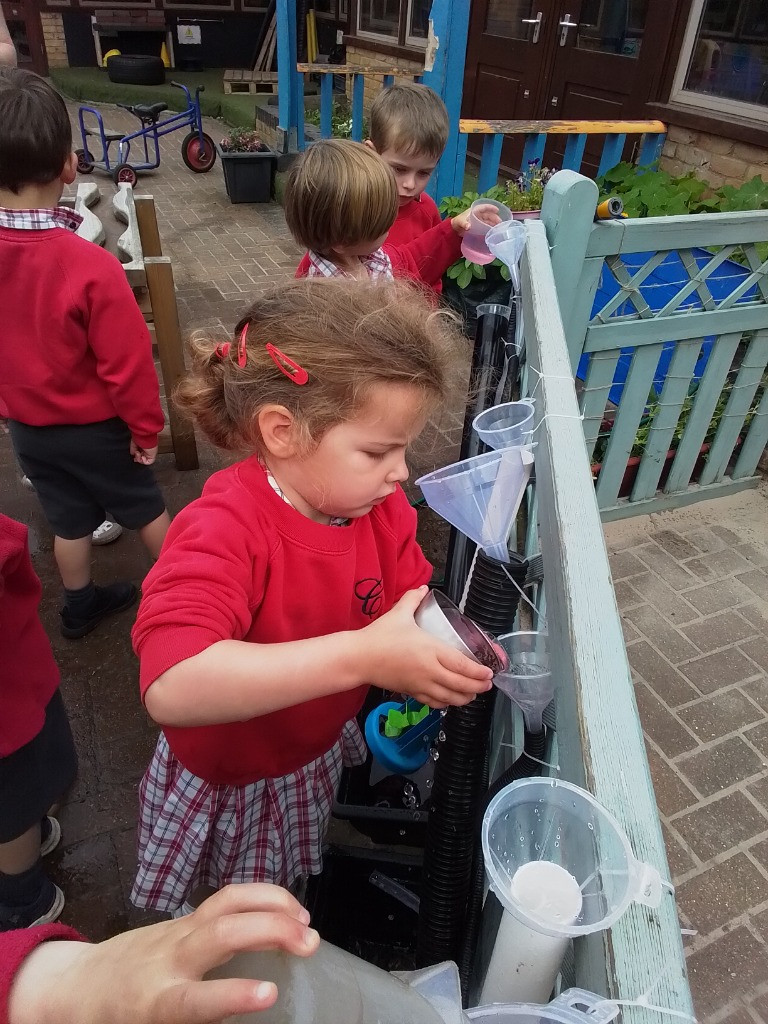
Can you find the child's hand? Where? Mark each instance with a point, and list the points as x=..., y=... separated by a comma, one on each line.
x=405, y=658
x=487, y=214
x=155, y=973
x=145, y=456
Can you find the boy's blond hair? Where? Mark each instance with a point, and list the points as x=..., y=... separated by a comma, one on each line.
x=409, y=118
x=339, y=193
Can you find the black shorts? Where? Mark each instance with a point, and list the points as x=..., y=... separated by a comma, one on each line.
x=35, y=776
x=82, y=470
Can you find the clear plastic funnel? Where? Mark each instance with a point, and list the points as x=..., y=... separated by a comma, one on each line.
x=535, y=829
x=481, y=496
x=506, y=242
x=505, y=426
x=528, y=680
x=574, y=1006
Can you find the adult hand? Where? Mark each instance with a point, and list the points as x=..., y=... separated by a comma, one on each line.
x=146, y=456
x=153, y=975
x=401, y=656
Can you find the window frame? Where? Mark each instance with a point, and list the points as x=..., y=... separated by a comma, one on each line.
x=400, y=39
x=706, y=101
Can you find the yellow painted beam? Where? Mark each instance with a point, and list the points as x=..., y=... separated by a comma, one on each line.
x=479, y=127
x=353, y=69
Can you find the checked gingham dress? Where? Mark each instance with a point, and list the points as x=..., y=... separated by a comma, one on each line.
x=193, y=832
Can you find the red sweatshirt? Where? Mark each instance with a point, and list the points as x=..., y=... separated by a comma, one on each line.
x=28, y=674
x=425, y=257
x=74, y=345
x=16, y=946
x=240, y=563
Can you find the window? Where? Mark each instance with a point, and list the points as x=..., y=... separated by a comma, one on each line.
x=398, y=22
x=724, y=60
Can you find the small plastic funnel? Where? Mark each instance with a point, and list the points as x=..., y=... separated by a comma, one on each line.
x=574, y=1006
x=505, y=426
x=480, y=496
x=528, y=680
x=473, y=245
x=506, y=242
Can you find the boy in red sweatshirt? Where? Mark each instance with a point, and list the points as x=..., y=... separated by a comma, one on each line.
x=37, y=756
x=78, y=385
x=340, y=202
x=409, y=130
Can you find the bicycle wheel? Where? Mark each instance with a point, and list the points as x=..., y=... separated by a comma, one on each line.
x=124, y=173
x=198, y=158
x=84, y=161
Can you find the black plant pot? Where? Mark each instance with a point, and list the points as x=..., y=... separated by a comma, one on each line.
x=466, y=300
x=249, y=177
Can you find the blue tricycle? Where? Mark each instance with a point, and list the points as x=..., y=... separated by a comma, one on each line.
x=197, y=149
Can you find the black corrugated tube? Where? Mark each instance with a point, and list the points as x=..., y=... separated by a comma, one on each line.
x=461, y=776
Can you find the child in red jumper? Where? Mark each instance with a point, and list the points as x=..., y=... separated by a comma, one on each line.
x=409, y=130
x=37, y=756
x=78, y=385
x=290, y=585
x=341, y=201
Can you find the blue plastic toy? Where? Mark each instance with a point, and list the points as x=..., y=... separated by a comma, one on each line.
x=406, y=753
x=197, y=149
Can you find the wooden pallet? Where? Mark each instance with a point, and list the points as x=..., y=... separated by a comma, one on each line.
x=252, y=82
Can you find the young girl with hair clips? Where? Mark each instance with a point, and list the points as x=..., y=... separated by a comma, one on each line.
x=290, y=585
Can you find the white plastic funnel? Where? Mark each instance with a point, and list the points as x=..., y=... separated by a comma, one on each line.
x=537, y=820
x=574, y=1006
x=505, y=426
x=528, y=680
x=480, y=496
x=506, y=242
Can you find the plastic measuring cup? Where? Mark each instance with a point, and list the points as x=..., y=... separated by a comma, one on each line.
x=507, y=425
x=480, y=496
x=473, y=245
x=574, y=1006
x=528, y=679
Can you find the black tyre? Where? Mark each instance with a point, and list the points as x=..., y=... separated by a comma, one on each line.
x=136, y=70
x=198, y=158
x=124, y=172
x=84, y=161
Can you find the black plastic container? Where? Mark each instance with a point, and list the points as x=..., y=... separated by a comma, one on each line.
x=354, y=914
x=249, y=177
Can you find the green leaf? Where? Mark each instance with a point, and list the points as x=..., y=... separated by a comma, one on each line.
x=478, y=271
x=505, y=272
x=464, y=278
x=455, y=269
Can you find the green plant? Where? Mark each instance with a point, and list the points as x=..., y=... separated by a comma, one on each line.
x=341, y=121
x=650, y=193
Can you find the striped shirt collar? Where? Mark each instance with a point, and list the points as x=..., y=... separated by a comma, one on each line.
x=40, y=220
x=335, y=520
x=378, y=264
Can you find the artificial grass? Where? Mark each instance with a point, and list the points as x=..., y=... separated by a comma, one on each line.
x=91, y=85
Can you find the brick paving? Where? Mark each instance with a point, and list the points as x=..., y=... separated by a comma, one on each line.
x=692, y=588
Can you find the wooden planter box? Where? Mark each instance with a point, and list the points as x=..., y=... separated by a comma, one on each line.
x=249, y=177
x=630, y=473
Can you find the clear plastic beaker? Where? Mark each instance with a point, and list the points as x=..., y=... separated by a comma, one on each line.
x=545, y=820
x=528, y=679
x=473, y=245
x=480, y=496
x=507, y=425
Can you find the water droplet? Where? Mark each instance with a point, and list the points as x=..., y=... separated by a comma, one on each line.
x=429, y=783
x=434, y=754
x=441, y=737
x=402, y=831
x=590, y=826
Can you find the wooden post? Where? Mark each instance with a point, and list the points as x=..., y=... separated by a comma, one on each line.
x=162, y=295
x=568, y=213
x=444, y=72
x=148, y=229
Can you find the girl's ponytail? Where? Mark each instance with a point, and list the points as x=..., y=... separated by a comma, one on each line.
x=202, y=394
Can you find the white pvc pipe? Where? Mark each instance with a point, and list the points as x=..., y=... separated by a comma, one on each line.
x=525, y=962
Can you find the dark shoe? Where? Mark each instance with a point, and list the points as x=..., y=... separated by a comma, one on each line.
x=108, y=601
x=46, y=908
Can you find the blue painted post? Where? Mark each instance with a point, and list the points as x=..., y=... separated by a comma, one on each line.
x=444, y=72
x=358, y=93
x=489, y=162
x=574, y=152
x=611, y=155
x=326, y=106
x=301, y=142
x=650, y=150
x=288, y=98
x=461, y=162
x=533, y=150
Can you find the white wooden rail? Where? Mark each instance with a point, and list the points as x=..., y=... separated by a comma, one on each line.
x=599, y=738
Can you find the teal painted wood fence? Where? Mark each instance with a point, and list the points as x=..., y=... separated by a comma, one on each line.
x=599, y=739
x=671, y=314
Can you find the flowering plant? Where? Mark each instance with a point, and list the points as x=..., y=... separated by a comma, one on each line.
x=243, y=140
x=526, y=191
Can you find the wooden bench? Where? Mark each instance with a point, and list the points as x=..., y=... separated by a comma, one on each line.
x=150, y=275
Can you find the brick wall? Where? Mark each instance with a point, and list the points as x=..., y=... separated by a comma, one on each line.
x=714, y=159
x=55, y=44
x=361, y=58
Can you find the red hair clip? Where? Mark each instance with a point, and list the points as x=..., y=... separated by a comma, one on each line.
x=286, y=365
x=222, y=350
x=242, y=353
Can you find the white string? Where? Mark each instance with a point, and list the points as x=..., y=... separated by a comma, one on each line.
x=539, y=615
x=642, y=1000
x=546, y=764
x=555, y=416
x=549, y=376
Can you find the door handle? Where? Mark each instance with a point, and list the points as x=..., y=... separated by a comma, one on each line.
x=564, y=26
x=535, y=22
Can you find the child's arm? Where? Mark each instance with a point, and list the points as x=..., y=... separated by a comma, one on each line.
x=156, y=973
x=121, y=343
